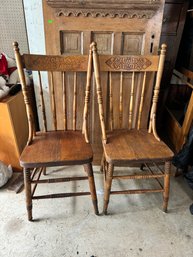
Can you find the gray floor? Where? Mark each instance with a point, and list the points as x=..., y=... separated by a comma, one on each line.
x=136, y=225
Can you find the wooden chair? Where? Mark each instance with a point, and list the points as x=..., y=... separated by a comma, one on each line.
x=126, y=138
x=63, y=145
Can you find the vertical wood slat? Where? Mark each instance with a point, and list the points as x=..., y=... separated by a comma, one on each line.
x=131, y=100
x=75, y=101
x=121, y=101
x=111, y=101
x=42, y=102
x=142, y=100
x=53, y=102
x=64, y=100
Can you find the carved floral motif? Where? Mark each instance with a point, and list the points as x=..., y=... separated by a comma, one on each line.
x=128, y=63
x=59, y=63
x=69, y=62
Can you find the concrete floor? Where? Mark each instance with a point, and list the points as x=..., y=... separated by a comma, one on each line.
x=136, y=225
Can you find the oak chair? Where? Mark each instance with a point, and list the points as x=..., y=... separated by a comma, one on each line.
x=129, y=134
x=66, y=143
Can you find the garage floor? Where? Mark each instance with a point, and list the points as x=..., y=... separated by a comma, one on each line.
x=135, y=226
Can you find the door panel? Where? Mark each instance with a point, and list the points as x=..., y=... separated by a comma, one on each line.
x=73, y=35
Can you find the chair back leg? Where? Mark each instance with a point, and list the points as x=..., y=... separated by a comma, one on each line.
x=27, y=183
x=107, y=187
x=166, y=185
x=88, y=169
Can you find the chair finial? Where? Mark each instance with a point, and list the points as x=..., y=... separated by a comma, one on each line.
x=163, y=48
x=15, y=46
x=93, y=46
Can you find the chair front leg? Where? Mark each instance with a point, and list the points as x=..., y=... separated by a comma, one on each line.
x=88, y=169
x=166, y=185
x=107, y=186
x=27, y=183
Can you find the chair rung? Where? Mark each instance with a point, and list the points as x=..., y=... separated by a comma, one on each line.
x=38, y=177
x=60, y=195
x=149, y=168
x=137, y=191
x=56, y=180
x=139, y=176
x=34, y=172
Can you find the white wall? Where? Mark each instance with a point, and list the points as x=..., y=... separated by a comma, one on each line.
x=12, y=26
x=36, y=38
x=35, y=25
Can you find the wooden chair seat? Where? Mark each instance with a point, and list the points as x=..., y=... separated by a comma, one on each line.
x=134, y=146
x=56, y=148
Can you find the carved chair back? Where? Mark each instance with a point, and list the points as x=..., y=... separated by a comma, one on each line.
x=136, y=77
x=75, y=68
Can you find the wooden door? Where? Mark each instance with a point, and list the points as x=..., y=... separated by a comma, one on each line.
x=173, y=24
x=118, y=27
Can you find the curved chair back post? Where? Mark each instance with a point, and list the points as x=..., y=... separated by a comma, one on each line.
x=87, y=97
x=152, y=123
x=25, y=91
x=99, y=91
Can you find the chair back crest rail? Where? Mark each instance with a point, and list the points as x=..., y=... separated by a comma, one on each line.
x=136, y=76
x=76, y=69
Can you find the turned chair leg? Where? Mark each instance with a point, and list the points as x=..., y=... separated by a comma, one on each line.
x=88, y=169
x=166, y=185
x=107, y=187
x=27, y=183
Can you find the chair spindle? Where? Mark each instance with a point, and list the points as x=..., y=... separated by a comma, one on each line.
x=111, y=101
x=53, y=102
x=75, y=101
x=64, y=100
x=121, y=101
x=131, y=100
x=42, y=102
x=141, y=101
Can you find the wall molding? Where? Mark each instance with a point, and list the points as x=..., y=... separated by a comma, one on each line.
x=144, y=9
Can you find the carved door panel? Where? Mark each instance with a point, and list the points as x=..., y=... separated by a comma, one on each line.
x=120, y=27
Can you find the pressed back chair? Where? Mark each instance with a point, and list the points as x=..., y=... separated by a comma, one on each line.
x=68, y=145
x=128, y=121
